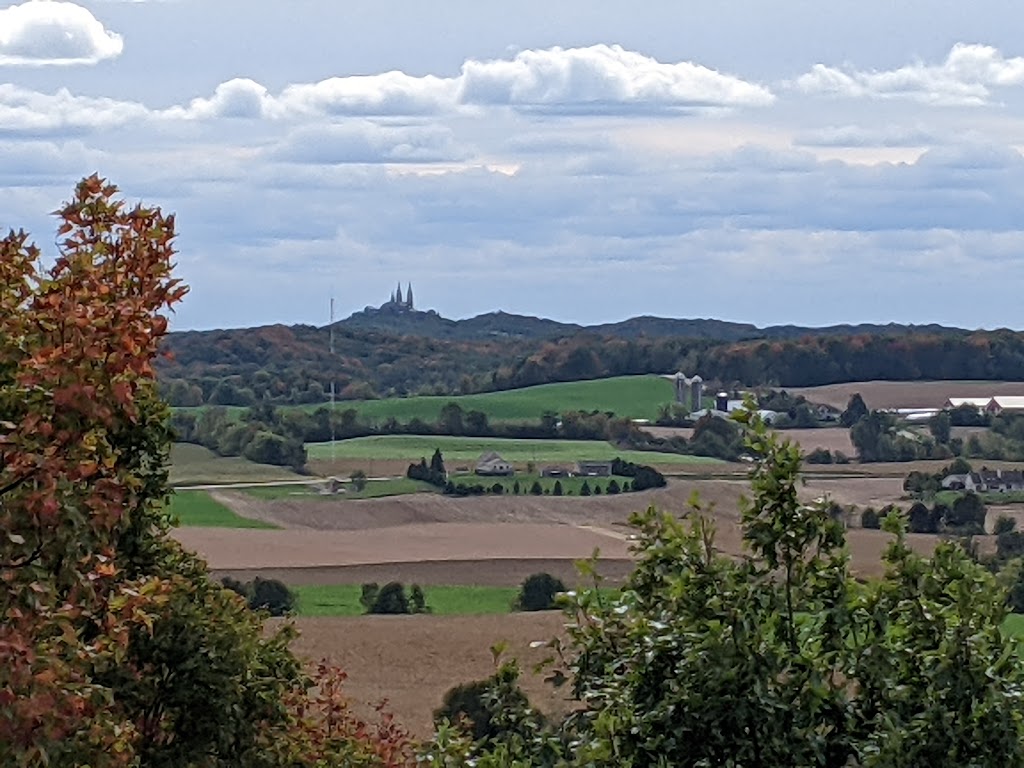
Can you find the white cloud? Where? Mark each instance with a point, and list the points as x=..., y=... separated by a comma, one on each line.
x=602, y=79
x=390, y=93
x=240, y=97
x=862, y=136
x=47, y=32
x=964, y=78
x=24, y=111
x=366, y=142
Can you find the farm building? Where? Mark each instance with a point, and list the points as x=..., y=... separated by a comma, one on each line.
x=595, y=468
x=975, y=402
x=491, y=464
x=1003, y=403
x=986, y=481
x=554, y=472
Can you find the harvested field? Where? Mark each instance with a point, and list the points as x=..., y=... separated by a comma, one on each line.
x=505, y=572
x=906, y=394
x=231, y=549
x=458, y=537
x=412, y=660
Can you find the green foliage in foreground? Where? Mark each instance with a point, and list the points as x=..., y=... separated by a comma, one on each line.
x=466, y=450
x=197, y=508
x=778, y=659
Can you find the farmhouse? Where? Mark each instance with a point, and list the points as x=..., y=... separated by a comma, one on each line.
x=986, y=481
x=595, y=468
x=492, y=465
x=975, y=402
x=1003, y=403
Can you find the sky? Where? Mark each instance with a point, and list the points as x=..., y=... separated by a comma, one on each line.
x=789, y=162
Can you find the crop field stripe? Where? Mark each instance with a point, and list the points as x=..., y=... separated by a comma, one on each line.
x=198, y=509
x=343, y=600
x=466, y=450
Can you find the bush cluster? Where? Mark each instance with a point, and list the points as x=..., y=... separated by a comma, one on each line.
x=392, y=599
x=262, y=594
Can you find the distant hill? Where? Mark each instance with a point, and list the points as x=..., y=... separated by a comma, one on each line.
x=498, y=325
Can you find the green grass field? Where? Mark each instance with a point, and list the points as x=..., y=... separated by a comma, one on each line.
x=374, y=489
x=464, y=451
x=195, y=465
x=197, y=508
x=343, y=600
x=635, y=397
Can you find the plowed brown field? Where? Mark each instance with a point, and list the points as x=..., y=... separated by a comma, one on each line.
x=906, y=394
x=432, y=539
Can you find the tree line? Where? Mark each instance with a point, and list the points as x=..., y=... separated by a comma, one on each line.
x=291, y=365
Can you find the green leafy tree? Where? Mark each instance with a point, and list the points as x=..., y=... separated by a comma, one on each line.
x=779, y=658
x=940, y=426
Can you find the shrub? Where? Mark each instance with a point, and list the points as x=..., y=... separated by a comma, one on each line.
x=869, y=519
x=535, y=489
x=538, y=592
x=613, y=486
x=470, y=708
x=557, y=491
x=272, y=596
x=1004, y=525
x=262, y=594
x=819, y=456
x=585, y=489
x=392, y=600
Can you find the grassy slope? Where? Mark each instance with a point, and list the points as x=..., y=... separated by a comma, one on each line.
x=466, y=450
x=635, y=397
x=196, y=508
x=195, y=465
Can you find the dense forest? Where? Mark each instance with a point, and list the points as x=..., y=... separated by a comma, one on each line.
x=288, y=365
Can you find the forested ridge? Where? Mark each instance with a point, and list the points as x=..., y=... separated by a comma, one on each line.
x=293, y=364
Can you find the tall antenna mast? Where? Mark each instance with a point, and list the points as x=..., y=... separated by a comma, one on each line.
x=331, y=368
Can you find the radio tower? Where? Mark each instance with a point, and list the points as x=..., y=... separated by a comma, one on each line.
x=330, y=364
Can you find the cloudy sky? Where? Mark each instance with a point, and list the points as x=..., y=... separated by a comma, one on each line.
x=798, y=161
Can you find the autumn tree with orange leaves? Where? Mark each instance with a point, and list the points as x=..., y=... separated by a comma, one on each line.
x=116, y=648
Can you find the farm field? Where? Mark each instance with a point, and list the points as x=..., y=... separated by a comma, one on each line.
x=198, y=509
x=424, y=656
x=905, y=394
x=442, y=600
x=374, y=489
x=195, y=465
x=635, y=397
x=327, y=547
x=466, y=450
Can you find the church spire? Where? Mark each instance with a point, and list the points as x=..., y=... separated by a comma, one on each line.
x=398, y=294
x=408, y=297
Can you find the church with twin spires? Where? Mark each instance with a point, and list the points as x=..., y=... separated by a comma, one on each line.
x=399, y=302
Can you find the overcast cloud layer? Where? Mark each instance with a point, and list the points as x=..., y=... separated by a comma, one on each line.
x=717, y=160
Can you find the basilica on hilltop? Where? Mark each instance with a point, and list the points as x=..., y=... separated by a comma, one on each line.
x=400, y=302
